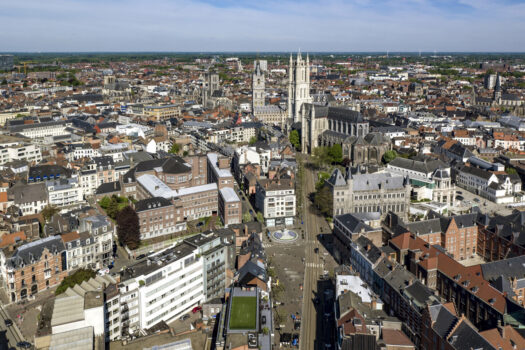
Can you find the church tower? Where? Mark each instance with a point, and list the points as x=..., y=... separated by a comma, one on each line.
x=257, y=86
x=497, y=90
x=298, y=86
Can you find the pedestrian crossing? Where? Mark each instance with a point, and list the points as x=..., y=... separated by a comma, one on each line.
x=315, y=265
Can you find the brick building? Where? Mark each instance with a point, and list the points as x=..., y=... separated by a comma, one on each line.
x=230, y=207
x=466, y=287
x=457, y=234
x=158, y=217
x=219, y=170
x=501, y=237
x=34, y=267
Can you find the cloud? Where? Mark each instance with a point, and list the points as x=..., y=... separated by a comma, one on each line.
x=286, y=25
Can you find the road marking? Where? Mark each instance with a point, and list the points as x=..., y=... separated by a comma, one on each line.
x=314, y=265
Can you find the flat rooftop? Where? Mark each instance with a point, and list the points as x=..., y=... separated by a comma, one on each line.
x=157, y=261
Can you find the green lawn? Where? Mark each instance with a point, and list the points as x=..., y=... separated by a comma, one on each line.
x=243, y=313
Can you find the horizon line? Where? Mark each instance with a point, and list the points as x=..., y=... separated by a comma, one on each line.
x=434, y=53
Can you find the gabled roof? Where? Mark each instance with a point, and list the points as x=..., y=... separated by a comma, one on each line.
x=337, y=178
x=31, y=252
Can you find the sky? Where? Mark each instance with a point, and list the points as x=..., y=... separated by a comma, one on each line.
x=262, y=25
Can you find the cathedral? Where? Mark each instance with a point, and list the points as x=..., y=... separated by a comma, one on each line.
x=499, y=99
x=323, y=125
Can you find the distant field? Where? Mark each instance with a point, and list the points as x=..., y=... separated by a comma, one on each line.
x=243, y=313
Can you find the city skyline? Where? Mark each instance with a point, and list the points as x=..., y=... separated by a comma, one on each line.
x=227, y=26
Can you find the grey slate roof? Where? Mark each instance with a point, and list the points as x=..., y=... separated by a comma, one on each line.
x=24, y=193
x=31, y=252
x=513, y=267
x=353, y=224
x=466, y=337
x=369, y=182
x=476, y=172
x=428, y=166
x=151, y=203
x=443, y=320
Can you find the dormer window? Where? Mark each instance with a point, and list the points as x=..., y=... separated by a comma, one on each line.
x=87, y=241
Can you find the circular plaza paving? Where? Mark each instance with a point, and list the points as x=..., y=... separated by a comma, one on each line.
x=284, y=236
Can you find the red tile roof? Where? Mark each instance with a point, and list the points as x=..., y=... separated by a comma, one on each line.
x=470, y=278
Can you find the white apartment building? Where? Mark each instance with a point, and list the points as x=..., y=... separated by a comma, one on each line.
x=116, y=151
x=88, y=180
x=10, y=151
x=64, y=192
x=243, y=132
x=496, y=188
x=79, y=151
x=168, y=285
x=276, y=200
x=30, y=199
x=41, y=130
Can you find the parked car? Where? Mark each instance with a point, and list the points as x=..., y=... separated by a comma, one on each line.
x=263, y=319
x=184, y=317
x=250, y=211
x=141, y=256
x=316, y=250
x=196, y=309
x=200, y=223
x=23, y=344
x=8, y=322
x=476, y=200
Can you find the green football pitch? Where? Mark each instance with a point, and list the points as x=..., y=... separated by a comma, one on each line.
x=243, y=313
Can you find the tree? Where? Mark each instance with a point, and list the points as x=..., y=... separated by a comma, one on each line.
x=511, y=171
x=128, y=229
x=253, y=140
x=78, y=277
x=49, y=211
x=320, y=157
x=246, y=217
x=389, y=156
x=260, y=217
x=323, y=201
x=336, y=153
x=175, y=149
x=322, y=177
x=295, y=139
x=104, y=202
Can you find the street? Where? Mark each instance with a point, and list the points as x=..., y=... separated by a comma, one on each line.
x=9, y=335
x=316, y=329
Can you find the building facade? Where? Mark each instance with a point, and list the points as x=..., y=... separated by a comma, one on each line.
x=35, y=267
x=367, y=193
x=276, y=200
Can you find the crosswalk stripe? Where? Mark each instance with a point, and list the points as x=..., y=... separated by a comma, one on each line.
x=314, y=265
